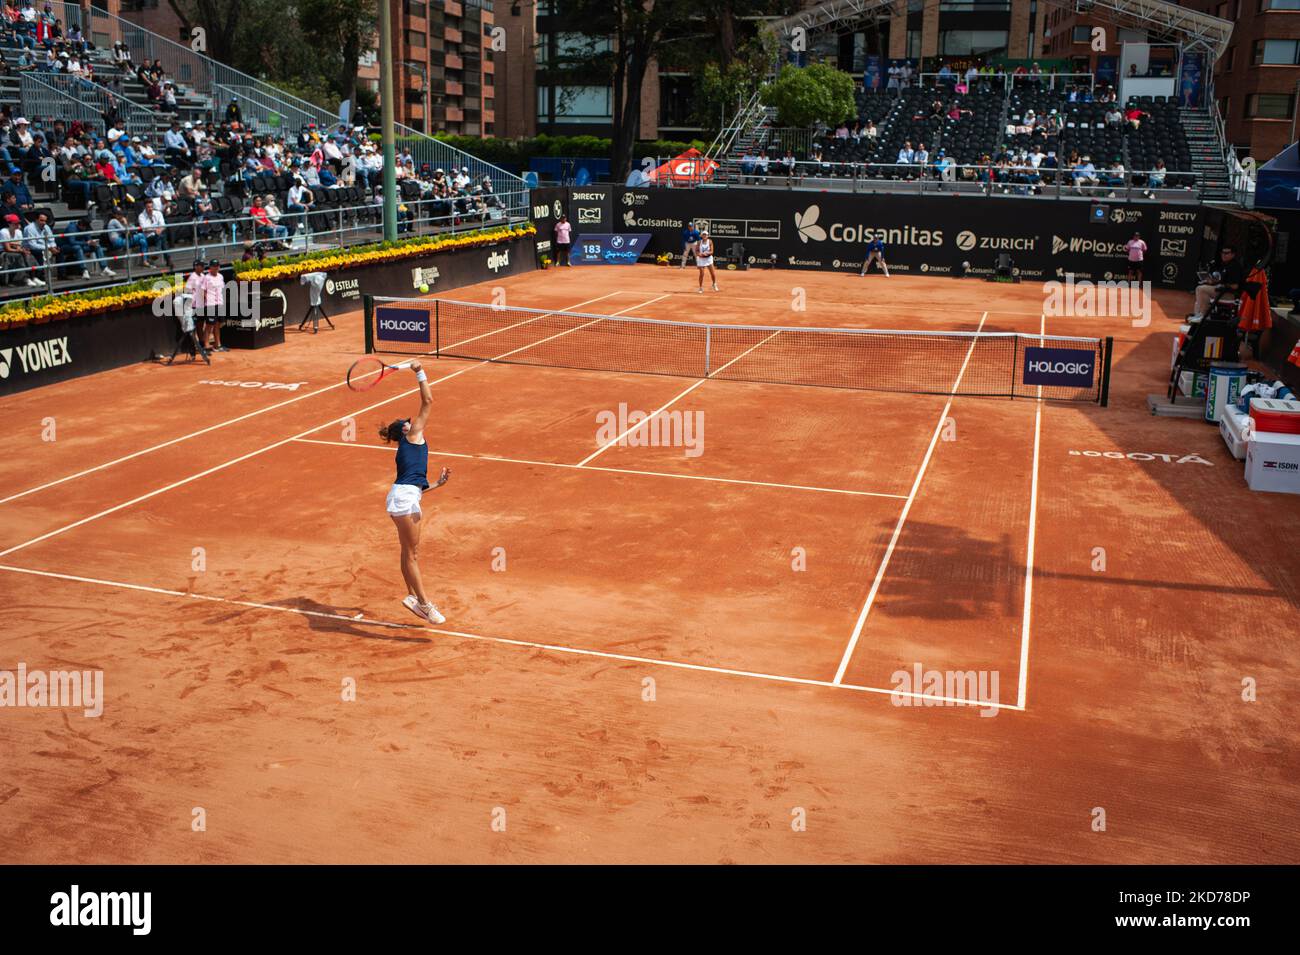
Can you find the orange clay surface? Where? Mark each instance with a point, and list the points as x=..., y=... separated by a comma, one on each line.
x=633, y=669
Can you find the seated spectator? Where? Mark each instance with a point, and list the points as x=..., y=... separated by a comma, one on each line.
x=153, y=226
x=17, y=258
x=17, y=187
x=1084, y=175
x=120, y=237
x=80, y=247
x=264, y=226
x=39, y=240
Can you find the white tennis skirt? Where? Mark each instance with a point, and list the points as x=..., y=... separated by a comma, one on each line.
x=403, y=499
x=705, y=262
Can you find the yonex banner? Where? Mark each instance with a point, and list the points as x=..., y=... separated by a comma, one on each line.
x=402, y=325
x=601, y=249
x=1068, y=367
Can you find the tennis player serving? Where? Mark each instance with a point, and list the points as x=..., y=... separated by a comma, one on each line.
x=404, y=496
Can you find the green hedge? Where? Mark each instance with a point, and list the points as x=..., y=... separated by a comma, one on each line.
x=519, y=151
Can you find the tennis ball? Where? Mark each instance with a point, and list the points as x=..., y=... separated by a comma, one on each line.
x=424, y=288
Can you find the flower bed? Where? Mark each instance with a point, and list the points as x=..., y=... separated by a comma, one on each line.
x=53, y=308
x=331, y=260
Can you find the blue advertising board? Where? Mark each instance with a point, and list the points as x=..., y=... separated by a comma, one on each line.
x=598, y=248
x=402, y=324
x=1068, y=367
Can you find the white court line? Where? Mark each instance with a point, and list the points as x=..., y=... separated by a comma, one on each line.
x=223, y=424
x=1033, y=531
x=902, y=518
x=302, y=434
x=672, y=401
x=557, y=464
x=507, y=641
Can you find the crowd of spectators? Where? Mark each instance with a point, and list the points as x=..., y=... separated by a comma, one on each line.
x=201, y=183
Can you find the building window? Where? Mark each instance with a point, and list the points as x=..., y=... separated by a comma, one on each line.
x=1082, y=34
x=576, y=104
x=1270, y=105
x=1227, y=59
x=971, y=42
x=1277, y=52
x=1278, y=5
x=415, y=38
x=416, y=8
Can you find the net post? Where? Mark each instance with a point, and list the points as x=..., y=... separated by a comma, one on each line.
x=368, y=304
x=1105, y=371
x=437, y=331
x=708, y=345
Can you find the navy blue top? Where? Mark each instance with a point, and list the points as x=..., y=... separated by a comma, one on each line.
x=875, y=245
x=412, y=464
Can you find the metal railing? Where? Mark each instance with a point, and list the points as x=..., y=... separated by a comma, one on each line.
x=964, y=178
x=1008, y=82
x=55, y=96
x=126, y=251
x=209, y=78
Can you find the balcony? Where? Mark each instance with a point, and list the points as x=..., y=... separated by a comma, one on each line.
x=451, y=34
x=452, y=8
x=454, y=62
x=454, y=88
x=454, y=114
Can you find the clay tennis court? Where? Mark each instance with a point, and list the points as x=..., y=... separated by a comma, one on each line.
x=649, y=656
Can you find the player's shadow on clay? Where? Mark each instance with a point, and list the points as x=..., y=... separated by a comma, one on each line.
x=327, y=619
x=939, y=572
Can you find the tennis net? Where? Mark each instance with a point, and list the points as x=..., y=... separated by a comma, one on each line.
x=991, y=364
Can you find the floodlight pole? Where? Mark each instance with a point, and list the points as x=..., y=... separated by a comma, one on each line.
x=387, y=137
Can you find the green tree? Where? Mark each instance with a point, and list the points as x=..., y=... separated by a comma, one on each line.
x=348, y=26
x=720, y=91
x=806, y=96
x=637, y=31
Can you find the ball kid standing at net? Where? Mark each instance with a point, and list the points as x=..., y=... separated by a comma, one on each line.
x=403, y=502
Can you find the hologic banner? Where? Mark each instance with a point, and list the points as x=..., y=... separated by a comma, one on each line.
x=935, y=235
x=597, y=249
x=402, y=325
x=1068, y=367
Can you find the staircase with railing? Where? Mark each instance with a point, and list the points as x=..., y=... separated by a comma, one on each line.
x=266, y=107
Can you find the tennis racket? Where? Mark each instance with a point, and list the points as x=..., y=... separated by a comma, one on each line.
x=367, y=372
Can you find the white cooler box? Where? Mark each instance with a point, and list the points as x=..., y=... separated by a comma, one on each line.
x=1273, y=462
x=1234, y=426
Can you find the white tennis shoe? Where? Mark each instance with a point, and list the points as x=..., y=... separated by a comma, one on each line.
x=424, y=611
